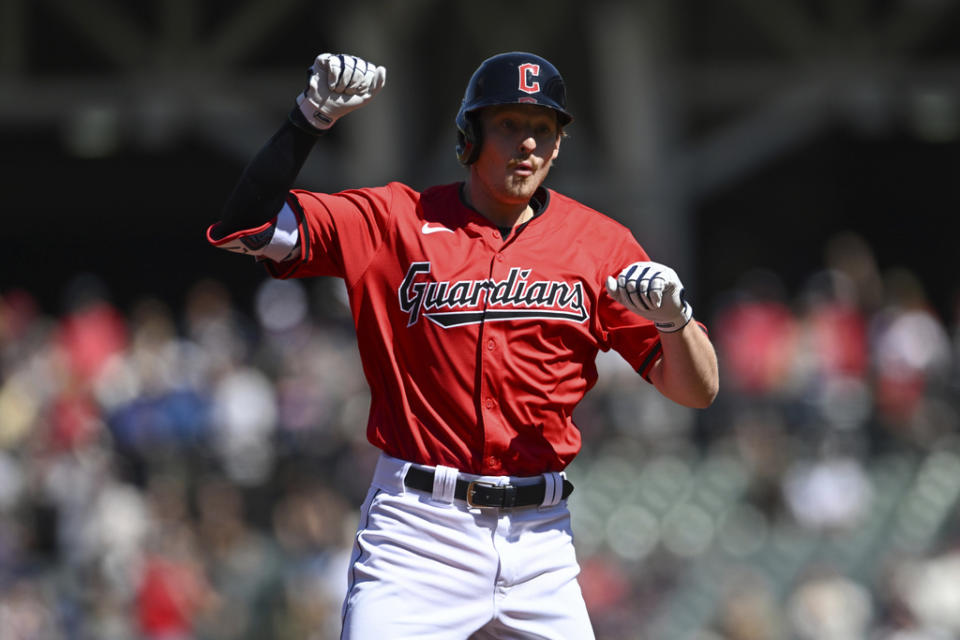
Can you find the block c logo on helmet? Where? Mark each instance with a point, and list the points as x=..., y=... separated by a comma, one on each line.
x=529, y=71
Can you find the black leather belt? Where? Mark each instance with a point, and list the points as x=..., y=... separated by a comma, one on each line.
x=484, y=494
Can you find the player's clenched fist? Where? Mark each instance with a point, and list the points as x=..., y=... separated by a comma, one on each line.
x=655, y=292
x=337, y=85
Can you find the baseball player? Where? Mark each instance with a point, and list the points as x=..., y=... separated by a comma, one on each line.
x=479, y=307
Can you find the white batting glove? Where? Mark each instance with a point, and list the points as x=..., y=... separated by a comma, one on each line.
x=655, y=292
x=338, y=84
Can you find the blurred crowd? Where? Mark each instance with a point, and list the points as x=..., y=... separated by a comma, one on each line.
x=193, y=470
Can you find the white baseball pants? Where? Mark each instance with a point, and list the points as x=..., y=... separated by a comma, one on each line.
x=427, y=567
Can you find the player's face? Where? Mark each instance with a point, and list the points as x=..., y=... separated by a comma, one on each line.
x=520, y=143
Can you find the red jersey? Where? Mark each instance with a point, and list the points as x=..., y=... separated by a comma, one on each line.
x=476, y=349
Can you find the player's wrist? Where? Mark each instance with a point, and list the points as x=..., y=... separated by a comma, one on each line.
x=677, y=323
x=298, y=120
x=312, y=116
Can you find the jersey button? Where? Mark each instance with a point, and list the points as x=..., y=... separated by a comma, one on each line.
x=491, y=345
x=500, y=257
x=489, y=403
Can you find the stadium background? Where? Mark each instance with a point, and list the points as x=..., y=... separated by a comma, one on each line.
x=181, y=441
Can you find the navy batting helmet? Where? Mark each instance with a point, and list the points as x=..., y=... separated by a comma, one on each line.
x=508, y=78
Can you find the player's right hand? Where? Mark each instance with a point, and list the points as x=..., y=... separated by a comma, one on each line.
x=337, y=85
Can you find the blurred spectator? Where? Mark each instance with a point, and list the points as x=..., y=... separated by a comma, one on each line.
x=30, y=371
x=838, y=327
x=931, y=590
x=849, y=254
x=92, y=330
x=18, y=310
x=318, y=542
x=155, y=393
x=25, y=613
x=215, y=328
x=828, y=494
x=910, y=353
x=748, y=609
x=172, y=591
x=833, y=354
x=609, y=595
x=244, y=418
x=756, y=332
x=829, y=606
x=242, y=564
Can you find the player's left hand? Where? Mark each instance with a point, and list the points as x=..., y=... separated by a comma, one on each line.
x=336, y=85
x=653, y=291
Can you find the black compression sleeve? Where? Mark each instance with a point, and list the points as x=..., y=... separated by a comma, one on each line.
x=263, y=186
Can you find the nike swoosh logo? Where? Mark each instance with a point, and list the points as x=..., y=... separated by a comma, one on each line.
x=427, y=229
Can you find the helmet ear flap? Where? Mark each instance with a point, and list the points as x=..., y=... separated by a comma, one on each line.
x=469, y=135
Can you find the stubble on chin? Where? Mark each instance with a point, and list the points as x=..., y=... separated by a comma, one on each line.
x=522, y=187
x=516, y=185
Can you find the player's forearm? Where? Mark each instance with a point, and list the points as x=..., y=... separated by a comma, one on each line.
x=687, y=373
x=263, y=186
